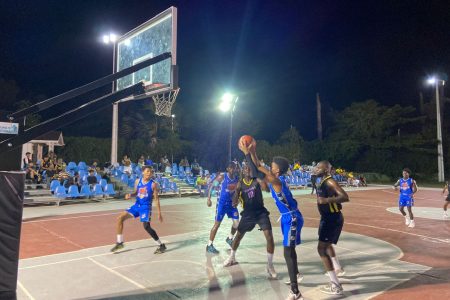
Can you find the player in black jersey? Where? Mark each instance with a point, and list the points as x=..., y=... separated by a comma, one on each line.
x=329, y=198
x=248, y=192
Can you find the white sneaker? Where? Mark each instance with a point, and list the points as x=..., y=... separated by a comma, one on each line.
x=412, y=224
x=339, y=272
x=293, y=296
x=271, y=271
x=332, y=289
x=407, y=221
x=299, y=279
x=231, y=260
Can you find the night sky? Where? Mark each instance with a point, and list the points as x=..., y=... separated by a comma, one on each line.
x=275, y=54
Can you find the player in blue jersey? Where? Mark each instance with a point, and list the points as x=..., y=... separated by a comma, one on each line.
x=224, y=206
x=447, y=199
x=408, y=188
x=291, y=218
x=330, y=197
x=145, y=190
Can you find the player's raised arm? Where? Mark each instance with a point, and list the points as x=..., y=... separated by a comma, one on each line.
x=255, y=165
x=237, y=194
x=128, y=196
x=155, y=189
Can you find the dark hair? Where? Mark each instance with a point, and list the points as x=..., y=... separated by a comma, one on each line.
x=147, y=167
x=231, y=164
x=407, y=170
x=282, y=163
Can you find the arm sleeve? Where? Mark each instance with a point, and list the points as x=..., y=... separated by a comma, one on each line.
x=253, y=169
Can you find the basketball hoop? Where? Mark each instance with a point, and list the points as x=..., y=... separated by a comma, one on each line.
x=163, y=96
x=164, y=102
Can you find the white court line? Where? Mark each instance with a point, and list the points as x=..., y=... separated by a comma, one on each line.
x=68, y=218
x=95, y=255
x=163, y=261
x=399, y=231
x=121, y=276
x=99, y=215
x=61, y=237
x=24, y=290
x=63, y=261
x=416, y=197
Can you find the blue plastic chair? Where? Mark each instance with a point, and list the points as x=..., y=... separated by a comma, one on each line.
x=82, y=166
x=85, y=191
x=60, y=192
x=54, y=184
x=98, y=191
x=73, y=191
x=124, y=178
x=109, y=190
x=103, y=183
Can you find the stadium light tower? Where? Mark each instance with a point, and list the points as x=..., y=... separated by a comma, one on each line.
x=107, y=39
x=171, y=145
x=228, y=103
x=437, y=83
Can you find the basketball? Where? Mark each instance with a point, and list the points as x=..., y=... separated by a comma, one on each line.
x=247, y=139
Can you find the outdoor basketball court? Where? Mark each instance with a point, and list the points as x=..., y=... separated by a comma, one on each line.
x=65, y=252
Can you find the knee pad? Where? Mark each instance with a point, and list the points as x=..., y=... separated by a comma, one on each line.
x=147, y=226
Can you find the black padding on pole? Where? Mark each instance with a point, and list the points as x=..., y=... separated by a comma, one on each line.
x=88, y=87
x=11, y=202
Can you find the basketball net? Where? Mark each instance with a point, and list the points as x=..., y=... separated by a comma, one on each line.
x=164, y=102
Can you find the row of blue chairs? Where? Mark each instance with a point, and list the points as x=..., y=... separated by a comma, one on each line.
x=72, y=192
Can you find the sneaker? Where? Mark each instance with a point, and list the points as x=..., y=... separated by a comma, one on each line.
x=407, y=221
x=229, y=241
x=299, y=279
x=339, y=273
x=293, y=296
x=161, y=249
x=117, y=247
x=412, y=224
x=332, y=289
x=271, y=271
x=211, y=249
x=231, y=260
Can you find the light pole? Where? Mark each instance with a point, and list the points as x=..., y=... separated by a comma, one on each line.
x=228, y=103
x=437, y=82
x=111, y=39
x=171, y=144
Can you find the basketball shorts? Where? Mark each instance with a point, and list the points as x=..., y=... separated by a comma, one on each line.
x=291, y=228
x=330, y=227
x=406, y=201
x=143, y=212
x=249, y=221
x=226, y=209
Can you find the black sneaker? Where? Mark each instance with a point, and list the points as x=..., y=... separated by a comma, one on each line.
x=161, y=249
x=117, y=247
x=211, y=249
x=229, y=241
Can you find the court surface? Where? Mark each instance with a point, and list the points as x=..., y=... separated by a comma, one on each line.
x=65, y=252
